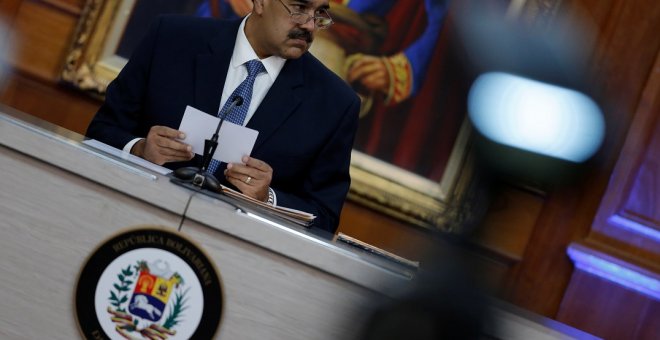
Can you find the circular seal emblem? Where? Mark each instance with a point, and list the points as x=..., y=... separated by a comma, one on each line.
x=148, y=283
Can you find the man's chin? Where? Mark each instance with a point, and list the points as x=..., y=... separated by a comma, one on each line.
x=295, y=52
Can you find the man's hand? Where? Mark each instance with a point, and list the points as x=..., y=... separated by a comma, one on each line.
x=162, y=145
x=370, y=73
x=252, y=177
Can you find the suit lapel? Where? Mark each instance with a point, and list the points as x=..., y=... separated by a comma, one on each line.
x=211, y=68
x=280, y=102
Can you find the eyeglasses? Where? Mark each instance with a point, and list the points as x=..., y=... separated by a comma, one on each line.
x=320, y=22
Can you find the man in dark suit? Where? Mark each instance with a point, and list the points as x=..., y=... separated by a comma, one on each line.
x=306, y=116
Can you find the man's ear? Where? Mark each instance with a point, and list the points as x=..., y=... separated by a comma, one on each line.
x=258, y=6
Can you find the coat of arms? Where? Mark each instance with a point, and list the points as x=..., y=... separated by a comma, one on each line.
x=148, y=283
x=141, y=298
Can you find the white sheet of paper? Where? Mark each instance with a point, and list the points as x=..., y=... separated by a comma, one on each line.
x=234, y=141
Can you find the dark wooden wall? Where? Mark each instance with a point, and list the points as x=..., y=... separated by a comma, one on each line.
x=39, y=34
x=623, y=240
x=525, y=235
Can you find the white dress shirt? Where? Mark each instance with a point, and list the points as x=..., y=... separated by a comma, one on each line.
x=243, y=52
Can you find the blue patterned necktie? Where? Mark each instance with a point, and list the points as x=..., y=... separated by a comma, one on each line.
x=244, y=90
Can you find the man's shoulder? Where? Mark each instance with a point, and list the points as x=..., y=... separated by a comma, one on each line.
x=329, y=80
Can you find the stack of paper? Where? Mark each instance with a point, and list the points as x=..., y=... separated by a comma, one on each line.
x=341, y=237
x=292, y=215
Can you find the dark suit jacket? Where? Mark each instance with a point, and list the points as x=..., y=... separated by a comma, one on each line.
x=306, y=122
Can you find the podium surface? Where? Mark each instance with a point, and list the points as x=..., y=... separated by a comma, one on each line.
x=62, y=198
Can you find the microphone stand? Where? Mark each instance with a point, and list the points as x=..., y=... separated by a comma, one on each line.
x=200, y=177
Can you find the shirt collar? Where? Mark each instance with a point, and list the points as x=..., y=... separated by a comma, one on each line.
x=243, y=52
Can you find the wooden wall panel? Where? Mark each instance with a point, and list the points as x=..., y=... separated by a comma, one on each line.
x=538, y=282
x=605, y=309
x=643, y=199
x=509, y=223
x=8, y=10
x=58, y=105
x=651, y=329
x=384, y=232
x=72, y=6
x=625, y=236
x=41, y=35
x=595, y=12
x=624, y=56
x=630, y=213
x=614, y=292
x=626, y=46
x=495, y=247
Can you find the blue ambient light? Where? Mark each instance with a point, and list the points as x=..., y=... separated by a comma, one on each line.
x=535, y=116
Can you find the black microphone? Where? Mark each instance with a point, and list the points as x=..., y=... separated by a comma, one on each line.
x=211, y=144
x=200, y=176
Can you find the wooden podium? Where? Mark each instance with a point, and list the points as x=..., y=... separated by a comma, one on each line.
x=61, y=198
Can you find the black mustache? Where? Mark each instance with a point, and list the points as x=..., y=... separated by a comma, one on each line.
x=301, y=34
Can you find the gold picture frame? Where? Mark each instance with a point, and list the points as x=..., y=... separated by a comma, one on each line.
x=92, y=63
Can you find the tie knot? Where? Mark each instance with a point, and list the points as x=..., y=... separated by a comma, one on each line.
x=254, y=67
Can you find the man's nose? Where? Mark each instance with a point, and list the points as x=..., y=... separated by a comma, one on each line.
x=309, y=26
